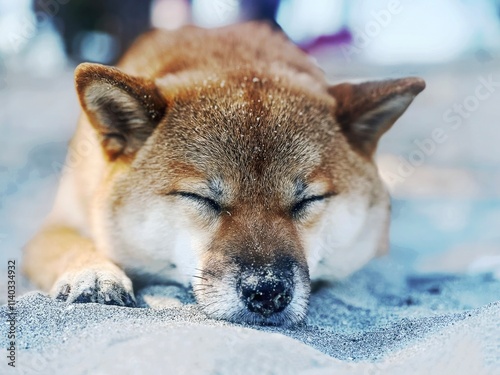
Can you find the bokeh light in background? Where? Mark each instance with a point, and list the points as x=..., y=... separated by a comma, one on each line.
x=170, y=14
x=303, y=22
x=450, y=199
x=215, y=13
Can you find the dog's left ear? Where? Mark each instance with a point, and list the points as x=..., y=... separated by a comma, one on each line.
x=123, y=109
x=366, y=111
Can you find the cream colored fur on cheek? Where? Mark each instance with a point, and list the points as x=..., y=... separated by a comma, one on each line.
x=346, y=238
x=155, y=239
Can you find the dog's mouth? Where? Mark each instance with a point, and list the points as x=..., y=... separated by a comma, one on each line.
x=262, y=296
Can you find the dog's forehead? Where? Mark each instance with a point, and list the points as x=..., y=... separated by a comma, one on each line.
x=247, y=128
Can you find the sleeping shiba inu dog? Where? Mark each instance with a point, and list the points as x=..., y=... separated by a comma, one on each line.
x=220, y=158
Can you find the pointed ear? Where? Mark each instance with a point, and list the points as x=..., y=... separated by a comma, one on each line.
x=366, y=111
x=124, y=109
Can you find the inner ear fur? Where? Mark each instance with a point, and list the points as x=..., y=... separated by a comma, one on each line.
x=366, y=111
x=124, y=109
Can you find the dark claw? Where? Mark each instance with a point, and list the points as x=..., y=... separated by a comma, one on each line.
x=111, y=299
x=63, y=294
x=128, y=300
x=115, y=294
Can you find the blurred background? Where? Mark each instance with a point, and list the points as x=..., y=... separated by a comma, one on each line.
x=441, y=161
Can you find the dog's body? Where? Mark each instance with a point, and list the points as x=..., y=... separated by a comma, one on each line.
x=222, y=155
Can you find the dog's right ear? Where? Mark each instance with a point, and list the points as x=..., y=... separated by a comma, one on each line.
x=124, y=109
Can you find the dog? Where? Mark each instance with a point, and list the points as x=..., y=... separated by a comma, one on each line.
x=220, y=159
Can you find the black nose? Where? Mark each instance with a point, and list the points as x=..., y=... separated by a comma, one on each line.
x=266, y=292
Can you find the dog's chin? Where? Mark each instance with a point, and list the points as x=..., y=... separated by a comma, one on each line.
x=286, y=318
x=290, y=316
x=221, y=301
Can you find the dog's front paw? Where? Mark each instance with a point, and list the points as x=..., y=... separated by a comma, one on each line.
x=102, y=283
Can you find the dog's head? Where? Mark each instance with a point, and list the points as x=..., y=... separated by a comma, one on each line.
x=269, y=179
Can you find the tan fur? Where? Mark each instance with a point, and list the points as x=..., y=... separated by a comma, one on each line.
x=238, y=116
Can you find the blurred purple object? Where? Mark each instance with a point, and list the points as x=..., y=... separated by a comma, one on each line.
x=344, y=36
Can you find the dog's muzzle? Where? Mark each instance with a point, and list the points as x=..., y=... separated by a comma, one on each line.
x=266, y=291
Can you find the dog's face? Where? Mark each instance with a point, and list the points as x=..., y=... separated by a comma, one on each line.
x=262, y=180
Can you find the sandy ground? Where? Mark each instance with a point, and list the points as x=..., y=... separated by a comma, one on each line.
x=430, y=307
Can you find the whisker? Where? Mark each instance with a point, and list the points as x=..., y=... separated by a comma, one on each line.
x=211, y=303
x=204, y=293
x=211, y=273
x=201, y=289
x=199, y=277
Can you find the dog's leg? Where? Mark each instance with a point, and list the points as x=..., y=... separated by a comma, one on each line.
x=59, y=259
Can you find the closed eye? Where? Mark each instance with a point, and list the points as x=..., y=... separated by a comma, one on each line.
x=299, y=208
x=209, y=202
